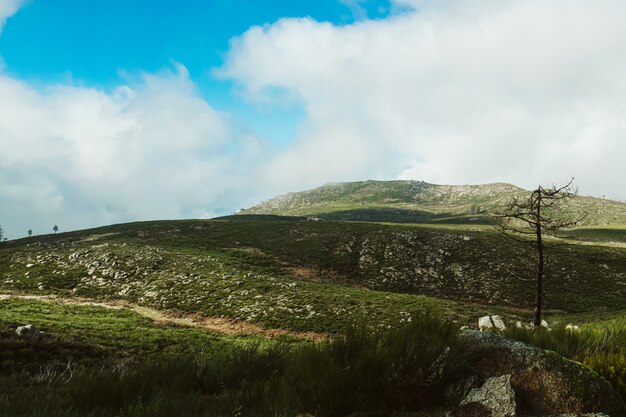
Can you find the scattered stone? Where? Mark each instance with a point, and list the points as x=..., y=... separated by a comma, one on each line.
x=40, y=286
x=28, y=330
x=29, y=265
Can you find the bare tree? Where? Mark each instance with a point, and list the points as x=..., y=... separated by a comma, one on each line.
x=530, y=219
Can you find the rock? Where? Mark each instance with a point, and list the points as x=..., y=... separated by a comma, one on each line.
x=40, y=286
x=496, y=399
x=28, y=330
x=544, y=382
x=29, y=265
x=582, y=415
x=473, y=410
x=490, y=322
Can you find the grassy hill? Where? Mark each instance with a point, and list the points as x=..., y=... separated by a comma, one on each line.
x=420, y=202
x=206, y=317
x=313, y=276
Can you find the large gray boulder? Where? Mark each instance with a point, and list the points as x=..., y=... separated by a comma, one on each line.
x=495, y=398
x=544, y=382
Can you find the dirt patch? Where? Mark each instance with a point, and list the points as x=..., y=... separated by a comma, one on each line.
x=225, y=326
x=95, y=237
x=326, y=276
x=302, y=272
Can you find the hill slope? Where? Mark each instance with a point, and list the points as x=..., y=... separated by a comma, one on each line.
x=419, y=202
x=312, y=276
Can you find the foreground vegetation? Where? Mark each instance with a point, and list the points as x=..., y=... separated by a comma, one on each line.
x=415, y=285
x=132, y=373
x=600, y=347
x=93, y=361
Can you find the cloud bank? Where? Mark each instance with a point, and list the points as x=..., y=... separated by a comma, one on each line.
x=79, y=157
x=444, y=91
x=451, y=92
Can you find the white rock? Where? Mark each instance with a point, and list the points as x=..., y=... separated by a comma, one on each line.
x=28, y=330
x=488, y=322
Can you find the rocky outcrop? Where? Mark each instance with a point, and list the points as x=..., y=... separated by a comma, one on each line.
x=495, y=398
x=544, y=382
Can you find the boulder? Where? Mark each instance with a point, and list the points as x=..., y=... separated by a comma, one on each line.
x=544, y=382
x=495, y=398
x=490, y=322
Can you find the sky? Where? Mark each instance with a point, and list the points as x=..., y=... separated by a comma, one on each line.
x=115, y=111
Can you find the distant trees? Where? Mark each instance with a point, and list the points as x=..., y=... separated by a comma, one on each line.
x=530, y=219
x=55, y=228
x=30, y=232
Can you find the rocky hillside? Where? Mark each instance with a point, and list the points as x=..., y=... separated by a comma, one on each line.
x=419, y=202
x=299, y=274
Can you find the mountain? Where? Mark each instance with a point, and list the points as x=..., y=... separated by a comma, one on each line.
x=420, y=202
x=164, y=301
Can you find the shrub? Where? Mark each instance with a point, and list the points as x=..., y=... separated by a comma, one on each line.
x=612, y=366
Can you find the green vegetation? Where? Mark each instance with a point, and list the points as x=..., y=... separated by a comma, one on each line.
x=92, y=335
x=313, y=276
x=392, y=255
x=420, y=202
x=403, y=369
x=601, y=347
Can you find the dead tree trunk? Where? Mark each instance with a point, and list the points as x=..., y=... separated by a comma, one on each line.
x=539, y=280
x=527, y=220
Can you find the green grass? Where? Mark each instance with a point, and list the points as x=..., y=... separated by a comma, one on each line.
x=400, y=370
x=417, y=201
x=615, y=233
x=315, y=276
x=601, y=346
x=289, y=273
x=95, y=334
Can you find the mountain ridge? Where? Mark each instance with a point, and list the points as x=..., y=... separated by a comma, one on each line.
x=411, y=201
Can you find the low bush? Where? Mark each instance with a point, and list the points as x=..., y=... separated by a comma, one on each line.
x=602, y=349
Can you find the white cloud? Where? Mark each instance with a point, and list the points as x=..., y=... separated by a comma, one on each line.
x=80, y=157
x=356, y=8
x=452, y=92
x=7, y=9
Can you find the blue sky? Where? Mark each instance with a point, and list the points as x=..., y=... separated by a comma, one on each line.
x=115, y=111
x=101, y=42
